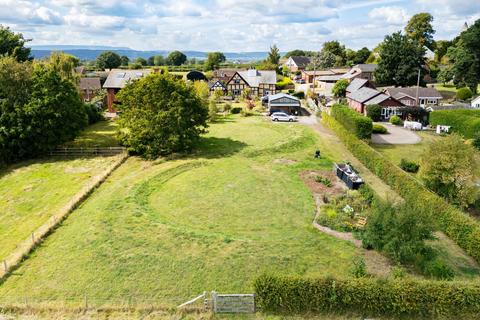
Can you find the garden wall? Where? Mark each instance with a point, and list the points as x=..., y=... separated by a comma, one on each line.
x=460, y=227
x=369, y=296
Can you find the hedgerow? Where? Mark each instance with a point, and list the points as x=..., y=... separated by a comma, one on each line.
x=461, y=228
x=466, y=122
x=353, y=121
x=368, y=296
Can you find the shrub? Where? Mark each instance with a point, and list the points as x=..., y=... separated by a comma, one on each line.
x=374, y=112
x=476, y=141
x=378, y=128
x=407, y=298
x=436, y=268
x=358, y=268
x=285, y=83
x=340, y=88
x=246, y=113
x=94, y=113
x=464, y=121
x=212, y=111
x=227, y=107
x=462, y=229
x=299, y=94
x=325, y=181
x=236, y=110
x=464, y=94
x=409, y=166
x=353, y=121
x=395, y=120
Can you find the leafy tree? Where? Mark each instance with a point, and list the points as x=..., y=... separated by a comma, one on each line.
x=362, y=55
x=108, y=60
x=141, y=61
x=212, y=111
x=295, y=53
x=201, y=89
x=159, y=60
x=445, y=75
x=326, y=60
x=266, y=65
x=213, y=60
x=160, y=116
x=419, y=28
x=64, y=65
x=400, y=60
x=464, y=94
x=336, y=49
x=340, y=88
x=441, y=49
x=176, y=58
x=151, y=61
x=465, y=58
x=274, y=56
x=124, y=61
x=447, y=167
x=45, y=110
x=351, y=57
x=13, y=44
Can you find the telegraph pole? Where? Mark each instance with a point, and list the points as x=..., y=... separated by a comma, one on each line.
x=418, y=87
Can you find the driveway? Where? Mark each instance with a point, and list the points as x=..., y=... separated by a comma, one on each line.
x=396, y=135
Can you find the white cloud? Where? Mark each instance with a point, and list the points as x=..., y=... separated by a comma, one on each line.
x=392, y=15
x=26, y=12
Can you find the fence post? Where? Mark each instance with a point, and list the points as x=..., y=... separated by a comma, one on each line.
x=86, y=301
x=33, y=238
x=5, y=265
x=214, y=300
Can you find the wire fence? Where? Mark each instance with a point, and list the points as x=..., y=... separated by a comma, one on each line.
x=102, y=151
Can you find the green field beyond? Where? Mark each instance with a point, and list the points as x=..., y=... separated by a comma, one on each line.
x=32, y=191
x=168, y=230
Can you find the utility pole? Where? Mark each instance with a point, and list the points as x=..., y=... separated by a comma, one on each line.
x=418, y=87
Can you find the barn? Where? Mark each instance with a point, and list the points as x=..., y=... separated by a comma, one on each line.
x=285, y=103
x=196, y=76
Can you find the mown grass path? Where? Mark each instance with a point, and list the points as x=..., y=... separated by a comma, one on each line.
x=168, y=230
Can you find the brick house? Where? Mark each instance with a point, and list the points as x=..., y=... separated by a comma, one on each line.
x=365, y=96
x=297, y=63
x=427, y=97
x=117, y=79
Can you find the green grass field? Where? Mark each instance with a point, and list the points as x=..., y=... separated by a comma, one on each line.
x=100, y=134
x=31, y=191
x=169, y=230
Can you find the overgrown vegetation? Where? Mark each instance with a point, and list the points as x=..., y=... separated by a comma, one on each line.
x=374, y=112
x=466, y=122
x=409, y=166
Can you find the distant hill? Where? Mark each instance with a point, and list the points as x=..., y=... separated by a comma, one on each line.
x=91, y=52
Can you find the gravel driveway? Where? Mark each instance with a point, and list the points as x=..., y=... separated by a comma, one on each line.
x=396, y=135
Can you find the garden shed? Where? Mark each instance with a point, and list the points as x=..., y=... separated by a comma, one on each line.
x=285, y=103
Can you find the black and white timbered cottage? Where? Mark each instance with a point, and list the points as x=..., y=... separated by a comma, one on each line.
x=259, y=82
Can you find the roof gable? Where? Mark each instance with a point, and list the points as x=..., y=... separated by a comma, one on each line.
x=356, y=84
x=363, y=95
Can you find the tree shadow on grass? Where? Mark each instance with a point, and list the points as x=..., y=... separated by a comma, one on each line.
x=213, y=147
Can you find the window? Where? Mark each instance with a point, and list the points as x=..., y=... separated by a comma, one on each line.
x=432, y=101
x=236, y=92
x=236, y=81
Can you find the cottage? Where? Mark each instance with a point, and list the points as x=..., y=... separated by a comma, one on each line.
x=217, y=85
x=284, y=102
x=476, y=103
x=357, y=84
x=297, y=63
x=223, y=75
x=260, y=83
x=427, y=97
x=89, y=88
x=309, y=75
x=117, y=79
x=366, y=96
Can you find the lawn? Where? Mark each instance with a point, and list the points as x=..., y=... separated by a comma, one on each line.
x=168, y=230
x=31, y=191
x=100, y=134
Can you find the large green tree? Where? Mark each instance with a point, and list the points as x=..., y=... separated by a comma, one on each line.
x=124, y=61
x=362, y=55
x=274, y=55
x=39, y=109
x=465, y=58
x=108, y=60
x=214, y=59
x=159, y=60
x=447, y=167
x=64, y=65
x=176, y=58
x=161, y=115
x=13, y=44
x=295, y=53
x=441, y=49
x=419, y=28
x=400, y=60
x=336, y=49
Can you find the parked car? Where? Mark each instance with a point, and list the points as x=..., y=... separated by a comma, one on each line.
x=300, y=81
x=282, y=116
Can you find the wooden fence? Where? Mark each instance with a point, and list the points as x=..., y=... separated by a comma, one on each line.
x=101, y=151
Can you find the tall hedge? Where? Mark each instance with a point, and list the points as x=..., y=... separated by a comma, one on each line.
x=369, y=296
x=460, y=227
x=464, y=121
x=353, y=121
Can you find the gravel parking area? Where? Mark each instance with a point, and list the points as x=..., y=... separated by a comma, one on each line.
x=396, y=135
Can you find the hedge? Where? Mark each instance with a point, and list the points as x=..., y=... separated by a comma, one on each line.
x=460, y=227
x=464, y=121
x=353, y=121
x=368, y=296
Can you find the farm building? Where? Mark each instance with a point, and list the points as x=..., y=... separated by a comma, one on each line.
x=284, y=102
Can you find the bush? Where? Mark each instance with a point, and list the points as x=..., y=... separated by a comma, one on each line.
x=325, y=181
x=379, y=129
x=246, y=113
x=340, y=88
x=464, y=94
x=476, y=141
x=461, y=228
x=437, y=269
x=408, y=298
x=236, y=110
x=227, y=107
x=374, y=112
x=353, y=121
x=395, y=120
x=299, y=94
x=409, y=166
x=212, y=111
x=464, y=121
x=358, y=268
x=94, y=113
x=285, y=83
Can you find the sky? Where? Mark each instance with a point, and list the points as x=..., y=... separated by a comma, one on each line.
x=227, y=25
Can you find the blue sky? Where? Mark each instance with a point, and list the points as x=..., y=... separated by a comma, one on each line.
x=227, y=25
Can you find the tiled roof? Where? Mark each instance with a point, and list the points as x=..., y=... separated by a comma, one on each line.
x=255, y=77
x=301, y=61
x=412, y=92
x=356, y=84
x=281, y=95
x=366, y=67
x=378, y=99
x=118, y=78
x=90, y=84
x=363, y=95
